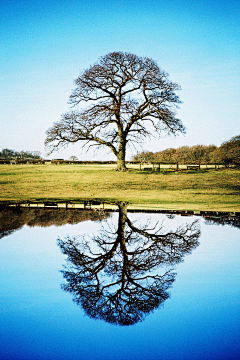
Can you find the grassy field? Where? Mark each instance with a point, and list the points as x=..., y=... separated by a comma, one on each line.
x=213, y=190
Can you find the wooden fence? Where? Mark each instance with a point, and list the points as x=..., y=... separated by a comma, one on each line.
x=150, y=166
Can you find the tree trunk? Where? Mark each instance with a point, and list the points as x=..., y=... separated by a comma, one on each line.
x=122, y=206
x=121, y=163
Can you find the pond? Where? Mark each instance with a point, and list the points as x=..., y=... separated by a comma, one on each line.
x=83, y=284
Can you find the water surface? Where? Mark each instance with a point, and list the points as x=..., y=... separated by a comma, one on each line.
x=179, y=292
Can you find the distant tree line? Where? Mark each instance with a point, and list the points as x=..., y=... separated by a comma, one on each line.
x=228, y=154
x=13, y=218
x=10, y=154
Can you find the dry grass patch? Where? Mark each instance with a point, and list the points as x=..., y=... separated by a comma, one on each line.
x=186, y=190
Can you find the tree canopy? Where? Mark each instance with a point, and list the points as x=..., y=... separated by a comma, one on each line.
x=227, y=153
x=116, y=103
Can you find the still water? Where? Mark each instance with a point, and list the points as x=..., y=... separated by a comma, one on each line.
x=87, y=285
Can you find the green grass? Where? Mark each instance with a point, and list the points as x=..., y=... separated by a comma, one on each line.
x=184, y=190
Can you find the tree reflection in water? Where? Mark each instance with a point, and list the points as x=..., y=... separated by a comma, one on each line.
x=122, y=275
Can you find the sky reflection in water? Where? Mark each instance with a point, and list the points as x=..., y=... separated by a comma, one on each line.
x=200, y=319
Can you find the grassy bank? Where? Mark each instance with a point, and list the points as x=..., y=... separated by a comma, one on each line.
x=186, y=190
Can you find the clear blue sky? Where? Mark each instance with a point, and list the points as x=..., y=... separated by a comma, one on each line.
x=46, y=44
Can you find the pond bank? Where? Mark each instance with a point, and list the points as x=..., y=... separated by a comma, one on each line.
x=103, y=206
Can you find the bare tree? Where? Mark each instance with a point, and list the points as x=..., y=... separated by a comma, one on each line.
x=73, y=158
x=126, y=98
x=117, y=275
